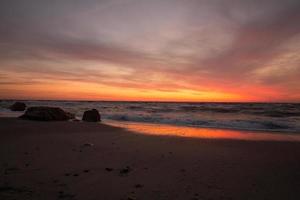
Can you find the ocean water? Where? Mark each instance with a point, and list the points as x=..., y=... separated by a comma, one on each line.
x=281, y=117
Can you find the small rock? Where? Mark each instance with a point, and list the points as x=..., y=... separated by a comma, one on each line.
x=138, y=186
x=125, y=170
x=88, y=145
x=44, y=113
x=91, y=116
x=109, y=169
x=18, y=106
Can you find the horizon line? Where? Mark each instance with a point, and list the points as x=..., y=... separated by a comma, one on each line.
x=151, y=101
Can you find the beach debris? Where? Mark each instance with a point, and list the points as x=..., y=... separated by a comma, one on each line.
x=91, y=116
x=109, y=169
x=196, y=196
x=125, y=170
x=138, y=185
x=44, y=113
x=18, y=106
x=88, y=145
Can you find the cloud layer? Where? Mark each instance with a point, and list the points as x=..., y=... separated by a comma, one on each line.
x=227, y=50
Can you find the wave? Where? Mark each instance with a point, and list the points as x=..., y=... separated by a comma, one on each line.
x=277, y=113
x=251, y=109
x=245, y=116
x=228, y=124
x=209, y=109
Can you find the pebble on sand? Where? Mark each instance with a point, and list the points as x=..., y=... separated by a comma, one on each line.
x=125, y=170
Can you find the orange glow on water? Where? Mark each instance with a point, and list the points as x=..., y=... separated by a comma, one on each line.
x=208, y=133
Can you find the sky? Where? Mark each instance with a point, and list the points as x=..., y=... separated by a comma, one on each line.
x=150, y=50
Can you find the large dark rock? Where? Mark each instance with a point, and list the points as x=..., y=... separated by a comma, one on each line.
x=44, y=113
x=91, y=116
x=18, y=106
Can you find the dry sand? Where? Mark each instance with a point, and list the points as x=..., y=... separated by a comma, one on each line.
x=49, y=160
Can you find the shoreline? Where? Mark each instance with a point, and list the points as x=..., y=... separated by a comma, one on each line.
x=286, y=135
x=82, y=160
x=153, y=129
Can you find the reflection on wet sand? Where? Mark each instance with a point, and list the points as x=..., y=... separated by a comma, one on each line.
x=210, y=133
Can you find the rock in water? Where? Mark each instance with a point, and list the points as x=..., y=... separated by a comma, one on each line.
x=44, y=113
x=18, y=106
x=91, y=116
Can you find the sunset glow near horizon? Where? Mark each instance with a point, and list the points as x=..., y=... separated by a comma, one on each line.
x=150, y=50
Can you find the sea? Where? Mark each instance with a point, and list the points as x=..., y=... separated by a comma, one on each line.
x=270, y=117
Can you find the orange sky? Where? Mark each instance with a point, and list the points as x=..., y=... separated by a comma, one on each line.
x=139, y=50
x=69, y=90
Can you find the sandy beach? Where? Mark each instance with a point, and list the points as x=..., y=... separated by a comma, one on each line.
x=89, y=161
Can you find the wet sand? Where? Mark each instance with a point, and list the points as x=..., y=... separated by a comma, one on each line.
x=76, y=160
